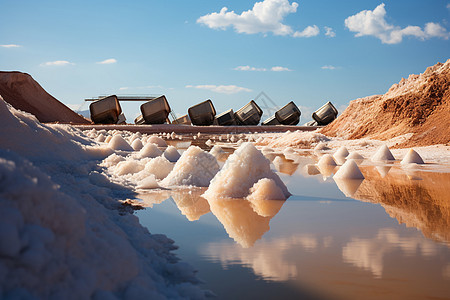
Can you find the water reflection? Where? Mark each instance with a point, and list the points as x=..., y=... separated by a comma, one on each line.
x=190, y=203
x=245, y=221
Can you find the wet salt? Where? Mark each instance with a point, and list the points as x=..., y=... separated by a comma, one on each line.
x=349, y=170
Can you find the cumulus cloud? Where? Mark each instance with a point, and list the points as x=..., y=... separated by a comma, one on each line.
x=10, y=46
x=57, y=63
x=266, y=16
x=328, y=67
x=222, y=89
x=373, y=23
x=329, y=31
x=309, y=31
x=107, y=61
x=248, y=68
x=280, y=69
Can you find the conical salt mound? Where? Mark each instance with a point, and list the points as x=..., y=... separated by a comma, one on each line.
x=412, y=157
x=326, y=160
x=321, y=147
x=358, y=158
x=349, y=170
x=341, y=153
x=383, y=154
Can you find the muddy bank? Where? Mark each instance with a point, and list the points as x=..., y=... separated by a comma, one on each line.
x=418, y=106
x=24, y=93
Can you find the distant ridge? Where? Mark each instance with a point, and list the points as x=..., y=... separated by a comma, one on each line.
x=24, y=93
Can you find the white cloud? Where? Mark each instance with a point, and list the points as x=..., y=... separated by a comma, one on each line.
x=107, y=61
x=124, y=88
x=309, y=31
x=448, y=6
x=266, y=16
x=248, y=68
x=280, y=69
x=329, y=32
x=10, y=46
x=222, y=89
x=373, y=23
x=57, y=63
x=328, y=67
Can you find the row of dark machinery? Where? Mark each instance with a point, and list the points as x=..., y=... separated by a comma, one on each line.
x=107, y=110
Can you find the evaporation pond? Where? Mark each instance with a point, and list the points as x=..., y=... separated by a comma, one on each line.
x=384, y=237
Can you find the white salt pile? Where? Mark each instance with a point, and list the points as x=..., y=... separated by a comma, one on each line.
x=342, y=152
x=321, y=146
x=383, y=154
x=61, y=235
x=326, y=165
x=195, y=167
x=148, y=183
x=128, y=167
x=157, y=140
x=150, y=150
x=160, y=167
x=412, y=157
x=172, y=154
x=117, y=142
x=349, y=170
x=266, y=198
x=245, y=167
x=358, y=158
x=137, y=144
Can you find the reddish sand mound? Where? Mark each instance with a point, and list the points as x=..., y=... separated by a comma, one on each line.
x=24, y=93
x=419, y=105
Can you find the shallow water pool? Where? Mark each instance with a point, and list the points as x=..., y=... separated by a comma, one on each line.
x=385, y=237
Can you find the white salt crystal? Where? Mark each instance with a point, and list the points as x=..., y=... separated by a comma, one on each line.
x=150, y=150
x=101, y=138
x=128, y=167
x=349, y=170
x=148, y=183
x=157, y=140
x=117, y=142
x=195, y=167
x=172, y=154
x=209, y=143
x=159, y=166
x=321, y=146
x=241, y=171
x=358, y=158
x=383, y=154
x=412, y=157
x=137, y=144
x=341, y=152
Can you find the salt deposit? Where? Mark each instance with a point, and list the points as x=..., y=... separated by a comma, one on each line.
x=117, y=142
x=61, y=233
x=157, y=140
x=128, y=167
x=349, y=170
x=148, y=183
x=246, y=166
x=150, y=150
x=218, y=153
x=412, y=157
x=342, y=152
x=160, y=167
x=321, y=146
x=358, y=158
x=195, y=167
x=383, y=154
x=265, y=189
x=326, y=165
x=172, y=154
x=137, y=144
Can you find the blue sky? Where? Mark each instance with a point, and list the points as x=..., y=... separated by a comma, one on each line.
x=306, y=51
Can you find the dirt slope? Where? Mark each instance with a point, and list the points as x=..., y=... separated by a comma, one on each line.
x=24, y=93
x=419, y=106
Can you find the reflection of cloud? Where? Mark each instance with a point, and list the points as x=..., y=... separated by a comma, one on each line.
x=368, y=253
x=268, y=258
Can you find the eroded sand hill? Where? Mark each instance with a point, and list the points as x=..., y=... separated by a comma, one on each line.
x=24, y=93
x=418, y=106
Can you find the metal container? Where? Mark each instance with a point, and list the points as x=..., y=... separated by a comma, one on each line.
x=203, y=113
x=311, y=123
x=288, y=114
x=250, y=114
x=105, y=110
x=156, y=111
x=326, y=114
x=121, y=119
x=139, y=120
x=225, y=118
x=183, y=120
x=271, y=121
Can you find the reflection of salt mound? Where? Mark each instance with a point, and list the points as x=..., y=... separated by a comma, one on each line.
x=157, y=140
x=412, y=157
x=241, y=171
x=349, y=170
x=383, y=154
x=383, y=170
x=159, y=166
x=195, y=167
x=285, y=166
x=265, y=197
x=239, y=220
x=117, y=142
x=172, y=154
x=150, y=150
x=348, y=186
x=191, y=203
